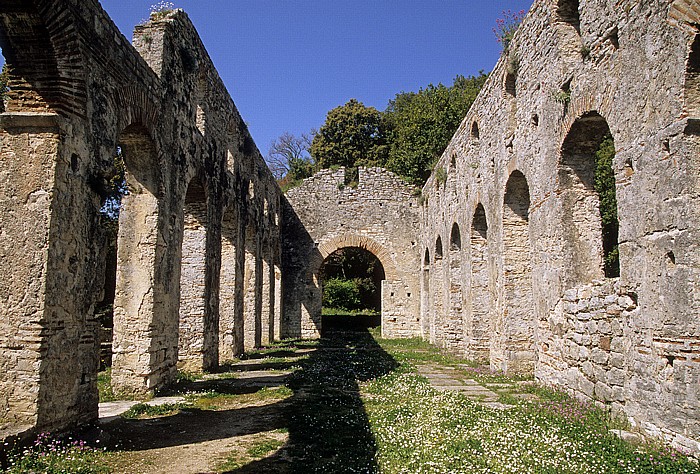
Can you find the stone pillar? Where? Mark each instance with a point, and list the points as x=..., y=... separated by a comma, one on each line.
x=48, y=338
x=267, y=299
x=228, y=345
x=140, y=360
x=251, y=320
x=193, y=307
x=277, y=313
x=454, y=325
x=478, y=329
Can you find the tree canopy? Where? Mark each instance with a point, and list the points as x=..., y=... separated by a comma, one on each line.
x=289, y=159
x=407, y=138
x=422, y=123
x=353, y=135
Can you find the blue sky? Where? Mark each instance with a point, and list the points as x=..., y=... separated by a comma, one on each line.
x=286, y=63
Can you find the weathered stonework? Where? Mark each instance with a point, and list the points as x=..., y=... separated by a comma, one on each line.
x=518, y=187
x=503, y=261
x=78, y=91
x=324, y=215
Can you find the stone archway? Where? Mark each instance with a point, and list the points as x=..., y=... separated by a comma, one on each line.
x=360, y=241
x=391, y=294
x=379, y=215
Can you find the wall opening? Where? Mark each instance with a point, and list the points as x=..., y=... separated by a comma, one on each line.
x=454, y=331
x=438, y=288
x=194, y=351
x=113, y=189
x=475, y=131
x=425, y=295
x=514, y=348
x=479, y=329
x=509, y=84
x=351, y=278
x=692, y=79
x=568, y=12
x=587, y=184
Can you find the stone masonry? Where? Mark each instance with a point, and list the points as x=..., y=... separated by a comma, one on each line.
x=201, y=199
x=500, y=258
x=511, y=231
x=379, y=214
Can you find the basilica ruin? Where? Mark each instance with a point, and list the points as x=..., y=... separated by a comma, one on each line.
x=500, y=258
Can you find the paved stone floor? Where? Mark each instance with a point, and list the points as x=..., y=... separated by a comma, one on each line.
x=452, y=379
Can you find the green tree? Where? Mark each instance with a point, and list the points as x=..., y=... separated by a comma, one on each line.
x=605, y=187
x=341, y=294
x=353, y=135
x=422, y=123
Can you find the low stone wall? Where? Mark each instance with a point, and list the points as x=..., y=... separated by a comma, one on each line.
x=583, y=343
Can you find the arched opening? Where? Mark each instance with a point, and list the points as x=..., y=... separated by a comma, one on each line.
x=351, y=278
x=454, y=330
x=567, y=12
x=425, y=295
x=478, y=331
x=196, y=352
x=200, y=103
x=437, y=325
x=587, y=184
x=692, y=79
x=509, y=84
x=475, y=131
x=514, y=333
x=45, y=66
x=114, y=189
x=136, y=258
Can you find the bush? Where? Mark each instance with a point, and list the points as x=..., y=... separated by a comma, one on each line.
x=338, y=293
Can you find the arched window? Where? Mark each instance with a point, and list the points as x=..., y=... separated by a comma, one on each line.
x=587, y=185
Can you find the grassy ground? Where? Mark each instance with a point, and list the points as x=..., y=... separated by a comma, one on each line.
x=358, y=404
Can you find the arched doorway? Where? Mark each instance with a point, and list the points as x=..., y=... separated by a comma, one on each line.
x=351, y=280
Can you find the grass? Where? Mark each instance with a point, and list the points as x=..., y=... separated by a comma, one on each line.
x=104, y=386
x=419, y=429
x=143, y=410
x=357, y=404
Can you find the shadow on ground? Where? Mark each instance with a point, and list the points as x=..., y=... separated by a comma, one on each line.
x=328, y=428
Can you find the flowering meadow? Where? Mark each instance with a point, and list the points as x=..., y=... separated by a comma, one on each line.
x=419, y=429
x=51, y=455
x=354, y=402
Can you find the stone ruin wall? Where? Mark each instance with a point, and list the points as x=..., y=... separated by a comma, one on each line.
x=514, y=217
x=323, y=215
x=199, y=192
x=505, y=265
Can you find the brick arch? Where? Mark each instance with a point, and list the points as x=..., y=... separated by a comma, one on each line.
x=353, y=240
x=41, y=45
x=133, y=105
x=684, y=10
